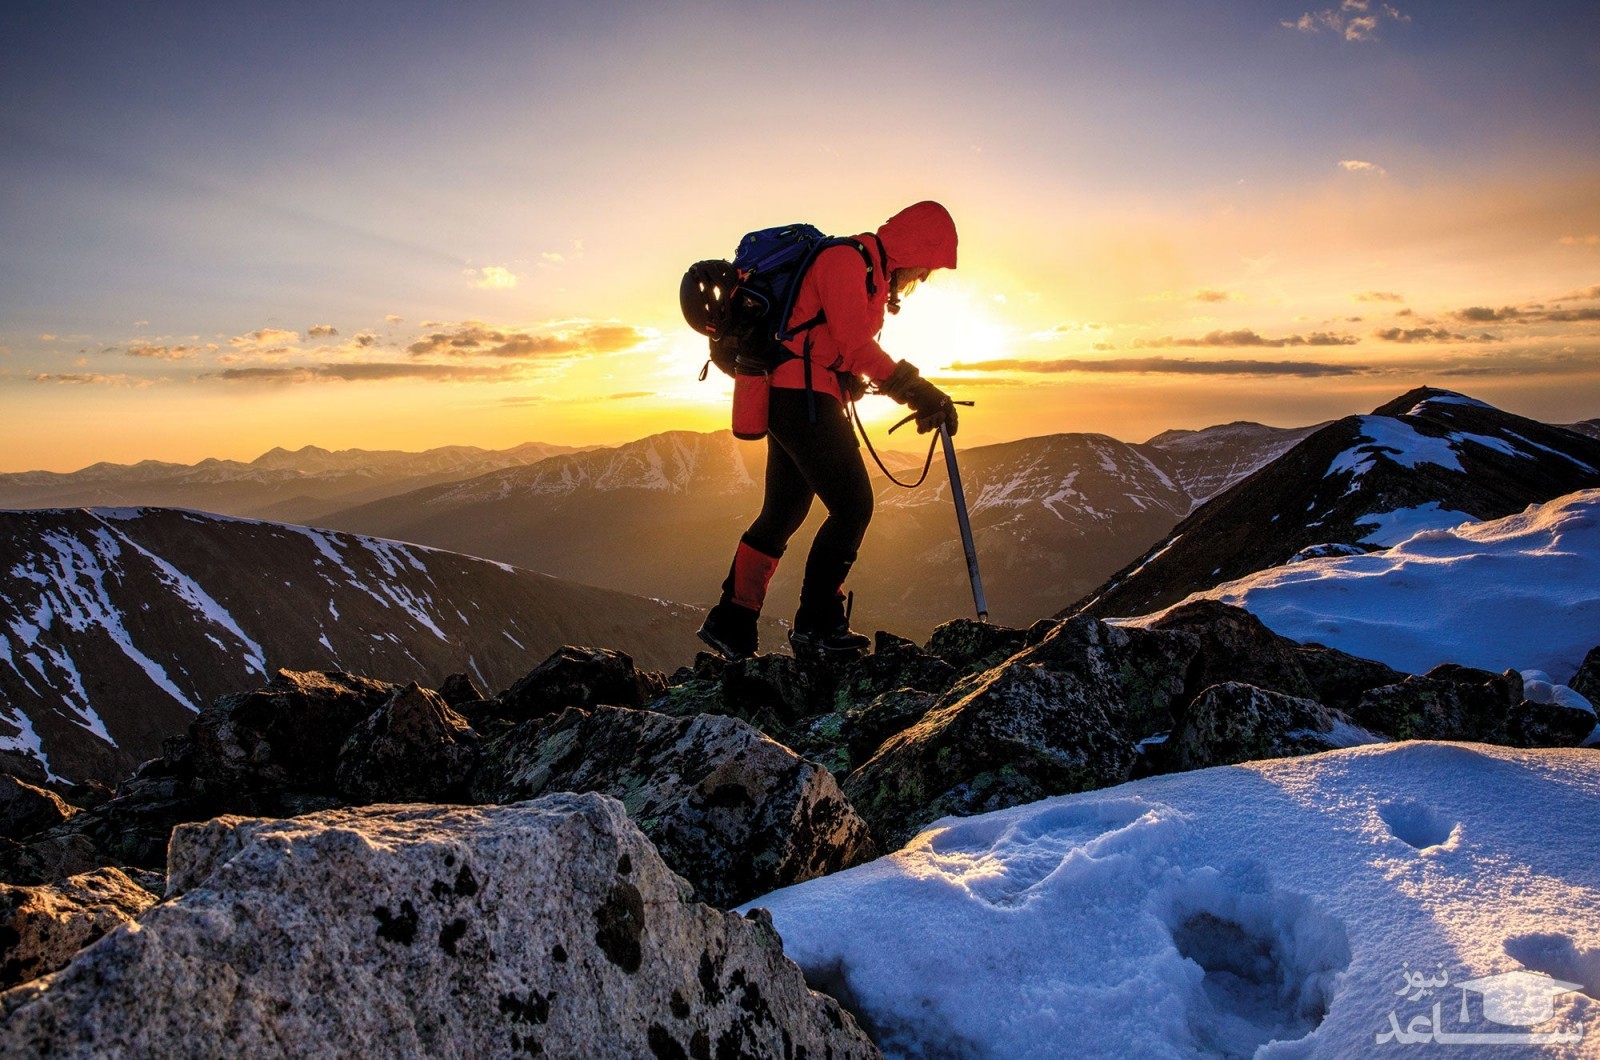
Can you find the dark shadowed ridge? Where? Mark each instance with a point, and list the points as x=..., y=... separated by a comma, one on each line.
x=1328, y=488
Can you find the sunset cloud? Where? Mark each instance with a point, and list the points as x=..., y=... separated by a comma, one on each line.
x=87, y=379
x=1356, y=165
x=1429, y=335
x=1353, y=20
x=1168, y=366
x=1247, y=337
x=1210, y=295
x=1591, y=240
x=368, y=372
x=168, y=353
x=493, y=277
x=1378, y=296
x=475, y=339
x=320, y=330
x=266, y=337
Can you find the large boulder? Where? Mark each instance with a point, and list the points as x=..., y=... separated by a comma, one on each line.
x=1236, y=646
x=575, y=676
x=1586, y=682
x=732, y=811
x=41, y=928
x=970, y=645
x=1449, y=702
x=286, y=735
x=414, y=748
x=1233, y=722
x=1060, y=717
x=1341, y=679
x=26, y=809
x=547, y=928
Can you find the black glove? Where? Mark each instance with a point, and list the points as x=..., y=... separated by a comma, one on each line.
x=933, y=406
x=852, y=386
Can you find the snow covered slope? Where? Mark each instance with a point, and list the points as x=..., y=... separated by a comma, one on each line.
x=1429, y=458
x=1522, y=592
x=1319, y=902
x=1210, y=460
x=116, y=625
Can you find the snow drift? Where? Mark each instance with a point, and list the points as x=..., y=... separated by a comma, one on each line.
x=1522, y=592
x=1269, y=909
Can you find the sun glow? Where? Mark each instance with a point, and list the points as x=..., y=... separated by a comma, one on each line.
x=943, y=322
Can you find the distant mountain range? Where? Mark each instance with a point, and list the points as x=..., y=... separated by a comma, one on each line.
x=1053, y=516
x=299, y=486
x=116, y=625
x=1430, y=458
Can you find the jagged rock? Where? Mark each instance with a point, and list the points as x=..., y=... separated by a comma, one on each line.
x=286, y=735
x=1341, y=679
x=1449, y=702
x=42, y=927
x=48, y=857
x=25, y=809
x=1233, y=722
x=894, y=663
x=25, y=766
x=87, y=794
x=551, y=928
x=864, y=729
x=458, y=689
x=579, y=677
x=968, y=644
x=1586, y=682
x=732, y=811
x=1534, y=724
x=1235, y=646
x=414, y=748
x=773, y=691
x=1053, y=719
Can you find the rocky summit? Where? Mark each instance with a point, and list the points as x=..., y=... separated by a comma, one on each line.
x=377, y=854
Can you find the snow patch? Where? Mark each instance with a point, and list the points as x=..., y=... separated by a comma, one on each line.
x=1511, y=593
x=1391, y=528
x=1267, y=909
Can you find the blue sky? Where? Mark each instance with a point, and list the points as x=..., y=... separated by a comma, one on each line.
x=176, y=177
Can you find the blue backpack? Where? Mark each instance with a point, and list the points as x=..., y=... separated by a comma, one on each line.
x=744, y=306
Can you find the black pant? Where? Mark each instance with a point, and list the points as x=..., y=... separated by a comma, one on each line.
x=806, y=460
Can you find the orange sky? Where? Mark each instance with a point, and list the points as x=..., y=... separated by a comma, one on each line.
x=391, y=233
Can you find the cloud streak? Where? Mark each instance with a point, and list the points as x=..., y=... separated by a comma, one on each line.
x=368, y=372
x=475, y=339
x=1247, y=337
x=1168, y=366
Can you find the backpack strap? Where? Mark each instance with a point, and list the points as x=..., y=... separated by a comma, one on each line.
x=821, y=315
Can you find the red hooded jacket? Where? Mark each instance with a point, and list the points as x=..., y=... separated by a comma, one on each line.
x=919, y=237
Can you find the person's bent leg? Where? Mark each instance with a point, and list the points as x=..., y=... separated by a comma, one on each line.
x=828, y=456
x=730, y=628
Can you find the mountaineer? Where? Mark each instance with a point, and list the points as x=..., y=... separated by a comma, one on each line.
x=812, y=451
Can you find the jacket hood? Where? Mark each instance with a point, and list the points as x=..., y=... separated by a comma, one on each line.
x=922, y=236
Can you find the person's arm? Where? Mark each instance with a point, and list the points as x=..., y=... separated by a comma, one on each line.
x=933, y=406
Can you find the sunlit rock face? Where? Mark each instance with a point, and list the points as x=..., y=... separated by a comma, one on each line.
x=1062, y=716
x=551, y=927
x=42, y=927
x=734, y=812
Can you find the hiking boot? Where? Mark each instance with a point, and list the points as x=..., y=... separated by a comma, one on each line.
x=730, y=631
x=839, y=641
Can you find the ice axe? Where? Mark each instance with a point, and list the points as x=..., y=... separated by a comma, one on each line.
x=965, y=524
x=962, y=520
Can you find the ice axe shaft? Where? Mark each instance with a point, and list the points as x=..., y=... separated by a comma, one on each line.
x=966, y=524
